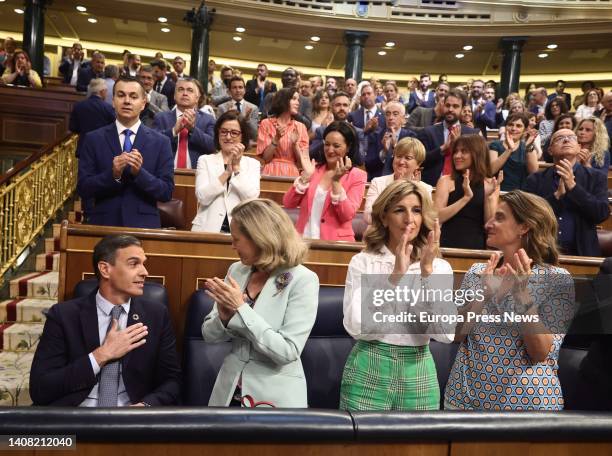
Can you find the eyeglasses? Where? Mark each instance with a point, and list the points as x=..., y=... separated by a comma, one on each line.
x=570, y=138
x=232, y=133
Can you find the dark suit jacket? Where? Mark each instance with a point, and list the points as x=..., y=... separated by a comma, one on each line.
x=420, y=118
x=61, y=373
x=168, y=90
x=86, y=74
x=89, y=115
x=373, y=164
x=357, y=118
x=485, y=118
x=317, y=144
x=133, y=201
x=201, y=139
x=67, y=67
x=414, y=102
x=251, y=95
x=433, y=138
x=588, y=200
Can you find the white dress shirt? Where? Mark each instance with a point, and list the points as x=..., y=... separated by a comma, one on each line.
x=76, y=65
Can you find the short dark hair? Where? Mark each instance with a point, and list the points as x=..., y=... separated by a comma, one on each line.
x=339, y=94
x=548, y=110
x=159, y=64
x=236, y=78
x=228, y=116
x=350, y=137
x=146, y=68
x=106, y=249
x=130, y=79
x=281, y=99
x=563, y=117
x=460, y=94
x=523, y=117
x=424, y=75
x=560, y=80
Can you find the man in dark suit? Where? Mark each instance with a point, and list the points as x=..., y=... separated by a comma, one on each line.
x=92, y=113
x=93, y=71
x=369, y=117
x=560, y=92
x=483, y=110
x=438, y=139
x=289, y=79
x=70, y=66
x=578, y=195
x=156, y=102
x=424, y=117
x=111, y=348
x=422, y=96
x=126, y=186
x=385, y=142
x=190, y=131
x=163, y=84
x=258, y=87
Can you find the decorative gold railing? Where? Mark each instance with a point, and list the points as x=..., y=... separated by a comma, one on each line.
x=30, y=198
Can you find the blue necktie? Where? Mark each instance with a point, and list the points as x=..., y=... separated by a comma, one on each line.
x=108, y=387
x=127, y=144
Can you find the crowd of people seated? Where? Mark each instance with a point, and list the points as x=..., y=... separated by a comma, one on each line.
x=434, y=180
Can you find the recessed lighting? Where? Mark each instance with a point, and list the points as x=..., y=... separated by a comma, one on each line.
x=80, y=8
x=315, y=38
x=382, y=52
x=162, y=19
x=552, y=46
x=237, y=38
x=309, y=47
x=390, y=44
x=165, y=29
x=459, y=56
x=18, y=10
x=468, y=47
x=240, y=29
x=543, y=55
x=93, y=20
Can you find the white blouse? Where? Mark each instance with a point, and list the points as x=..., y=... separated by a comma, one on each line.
x=383, y=264
x=312, y=230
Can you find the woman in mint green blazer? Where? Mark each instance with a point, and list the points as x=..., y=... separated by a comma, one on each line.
x=266, y=306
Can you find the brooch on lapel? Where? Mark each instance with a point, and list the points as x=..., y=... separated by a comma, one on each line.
x=135, y=317
x=281, y=282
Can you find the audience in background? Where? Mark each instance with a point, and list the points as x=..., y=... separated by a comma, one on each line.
x=70, y=66
x=594, y=144
x=19, y=71
x=94, y=70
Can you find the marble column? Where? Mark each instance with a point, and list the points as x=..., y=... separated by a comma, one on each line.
x=34, y=32
x=355, y=41
x=511, y=64
x=201, y=21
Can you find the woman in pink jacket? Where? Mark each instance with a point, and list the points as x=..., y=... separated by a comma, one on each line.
x=329, y=193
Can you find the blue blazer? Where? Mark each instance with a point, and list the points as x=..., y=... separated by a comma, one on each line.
x=61, y=373
x=317, y=143
x=413, y=101
x=374, y=165
x=168, y=90
x=86, y=74
x=89, y=115
x=201, y=139
x=357, y=117
x=133, y=201
x=433, y=138
x=588, y=200
x=486, y=118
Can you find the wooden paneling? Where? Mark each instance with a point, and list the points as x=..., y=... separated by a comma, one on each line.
x=530, y=449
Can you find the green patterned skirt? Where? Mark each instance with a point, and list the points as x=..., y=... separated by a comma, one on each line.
x=380, y=376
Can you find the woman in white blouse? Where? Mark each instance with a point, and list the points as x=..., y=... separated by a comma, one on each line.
x=226, y=178
x=390, y=367
x=409, y=155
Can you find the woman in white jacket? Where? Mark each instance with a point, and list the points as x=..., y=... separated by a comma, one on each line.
x=225, y=179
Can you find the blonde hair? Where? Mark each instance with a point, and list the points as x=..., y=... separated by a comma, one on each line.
x=269, y=227
x=533, y=211
x=409, y=145
x=377, y=234
x=601, y=140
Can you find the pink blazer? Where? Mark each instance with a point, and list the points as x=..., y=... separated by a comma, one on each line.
x=336, y=219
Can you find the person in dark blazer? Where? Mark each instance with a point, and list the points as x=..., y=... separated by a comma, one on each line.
x=561, y=93
x=187, y=122
x=258, y=87
x=578, y=195
x=93, y=71
x=156, y=102
x=438, y=138
x=70, y=66
x=126, y=186
x=484, y=112
x=91, y=357
x=368, y=110
x=422, y=117
x=163, y=84
x=92, y=113
x=422, y=96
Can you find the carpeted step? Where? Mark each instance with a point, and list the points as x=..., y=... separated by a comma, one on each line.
x=52, y=244
x=26, y=310
x=57, y=228
x=75, y=216
x=35, y=285
x=18, y=337
x=47, y=261
x=15, y=378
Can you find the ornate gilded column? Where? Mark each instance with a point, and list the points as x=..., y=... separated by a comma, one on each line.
x=34, y=32
x=200, y=20
x=511, y=64
x=355, y=41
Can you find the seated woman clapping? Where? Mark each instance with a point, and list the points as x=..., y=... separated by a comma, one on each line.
x=226, y=178
x=266, y=306
x=513, y=328
x=329, y=193
x=390, y=367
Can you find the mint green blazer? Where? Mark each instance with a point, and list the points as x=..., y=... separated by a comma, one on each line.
x=267, y=340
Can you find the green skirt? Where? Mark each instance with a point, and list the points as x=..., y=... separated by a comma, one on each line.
x=380, y=376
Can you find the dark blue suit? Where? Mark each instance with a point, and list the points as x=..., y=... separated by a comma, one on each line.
x=201, y=139
x=588, y=200
x=414, y=102
x=67, y=67
x=374, y=166
x=388, y=165
x=61, y=372
x=433, y=138
x=486, y=117
x=357, y=118
x=86, y=74
x=133, y=201
x=316, y=146
x=168, y=90
x=89, y=115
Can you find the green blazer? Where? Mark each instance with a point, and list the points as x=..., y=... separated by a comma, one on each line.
x=267, y=339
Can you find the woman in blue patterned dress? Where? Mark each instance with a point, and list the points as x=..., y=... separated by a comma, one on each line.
x=514, y=328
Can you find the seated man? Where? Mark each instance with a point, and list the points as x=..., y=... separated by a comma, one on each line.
x=126, y=167
x=111, y=348
x=578, y=195
x=190, y=130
